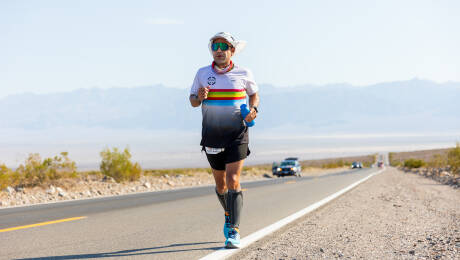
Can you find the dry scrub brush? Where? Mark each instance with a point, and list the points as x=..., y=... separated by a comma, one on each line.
x=35, y=171
x=117, y=164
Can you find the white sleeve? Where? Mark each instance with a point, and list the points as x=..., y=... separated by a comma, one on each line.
x=251, y=86
x=196, y=84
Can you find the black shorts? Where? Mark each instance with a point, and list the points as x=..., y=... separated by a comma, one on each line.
x=231, y=154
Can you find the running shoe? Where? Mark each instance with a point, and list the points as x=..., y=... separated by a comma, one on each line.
x=226, y=224
x=233, y=240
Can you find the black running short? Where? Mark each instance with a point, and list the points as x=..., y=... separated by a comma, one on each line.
x=231, y=154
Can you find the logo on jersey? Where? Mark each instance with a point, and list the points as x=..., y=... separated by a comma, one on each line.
x=211, y=80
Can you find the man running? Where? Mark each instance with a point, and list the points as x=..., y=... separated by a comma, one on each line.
x=220, y=89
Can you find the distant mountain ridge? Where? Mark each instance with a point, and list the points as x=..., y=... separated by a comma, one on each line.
x=394, y=106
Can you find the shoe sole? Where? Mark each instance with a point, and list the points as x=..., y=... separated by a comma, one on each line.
x=229, y=245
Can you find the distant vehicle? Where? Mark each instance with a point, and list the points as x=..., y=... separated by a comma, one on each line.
x=355, y=165
x=290, y=166
x=380, y=164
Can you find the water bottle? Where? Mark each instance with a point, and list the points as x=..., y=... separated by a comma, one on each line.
x=244, y=112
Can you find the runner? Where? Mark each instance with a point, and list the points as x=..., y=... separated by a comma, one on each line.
x=220, y=89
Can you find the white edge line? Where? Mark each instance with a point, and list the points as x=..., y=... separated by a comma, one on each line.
x=224, y=253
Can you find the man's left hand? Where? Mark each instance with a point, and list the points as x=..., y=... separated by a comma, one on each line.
x=251, y=116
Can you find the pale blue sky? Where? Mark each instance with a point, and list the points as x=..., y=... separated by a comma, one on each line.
x=49, y=46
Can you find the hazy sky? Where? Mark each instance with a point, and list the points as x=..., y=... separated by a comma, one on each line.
x=49, y=46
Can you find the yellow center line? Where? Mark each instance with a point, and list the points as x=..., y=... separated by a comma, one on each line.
x=244, y=189
x=41, y=224
x=289, y=182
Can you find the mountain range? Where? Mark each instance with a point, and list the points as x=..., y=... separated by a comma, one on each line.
x=413, y=105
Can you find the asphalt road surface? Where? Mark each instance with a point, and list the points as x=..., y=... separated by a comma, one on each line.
x=177, y=224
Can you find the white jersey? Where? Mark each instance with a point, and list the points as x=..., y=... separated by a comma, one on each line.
x=222, y=122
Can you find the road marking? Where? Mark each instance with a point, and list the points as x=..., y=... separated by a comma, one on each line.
x=246, y=241
x=244, y=189
x=41, y=224
x=289, y=182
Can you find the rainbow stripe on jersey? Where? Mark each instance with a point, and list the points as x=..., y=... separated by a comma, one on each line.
x=226, y=97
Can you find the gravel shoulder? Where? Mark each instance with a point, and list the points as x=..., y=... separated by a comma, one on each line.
x=393, y=215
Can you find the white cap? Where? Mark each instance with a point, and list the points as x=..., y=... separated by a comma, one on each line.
x=238, y=44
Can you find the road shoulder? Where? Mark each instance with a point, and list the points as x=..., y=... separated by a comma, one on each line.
x=392, y=215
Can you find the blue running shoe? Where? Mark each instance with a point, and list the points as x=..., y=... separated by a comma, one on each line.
x=226, y=224
x=233, y=240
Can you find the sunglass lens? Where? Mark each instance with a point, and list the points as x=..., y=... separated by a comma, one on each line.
x=223, y=46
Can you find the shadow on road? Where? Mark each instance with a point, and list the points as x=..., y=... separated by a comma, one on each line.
x=133, y=252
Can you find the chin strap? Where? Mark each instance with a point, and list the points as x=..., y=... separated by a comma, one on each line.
x=224, y=70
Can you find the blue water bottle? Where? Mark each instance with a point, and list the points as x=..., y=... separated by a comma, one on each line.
x=244, y=112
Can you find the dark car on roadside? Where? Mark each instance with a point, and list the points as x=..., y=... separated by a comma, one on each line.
x=290, y=166
x=356, y=165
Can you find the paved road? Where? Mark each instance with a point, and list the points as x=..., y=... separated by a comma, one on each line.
x=181, y=224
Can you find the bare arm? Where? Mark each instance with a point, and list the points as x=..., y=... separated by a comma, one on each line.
x=195, y=100
x=253, y=102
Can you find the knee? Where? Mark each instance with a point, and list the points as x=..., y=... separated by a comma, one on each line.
x=221, y=187
x=233, y=181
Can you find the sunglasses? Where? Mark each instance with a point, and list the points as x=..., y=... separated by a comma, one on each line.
x=222, y=45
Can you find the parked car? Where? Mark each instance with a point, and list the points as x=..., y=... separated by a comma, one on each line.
x=290, y=166
x=356, y=165
x=380, y=164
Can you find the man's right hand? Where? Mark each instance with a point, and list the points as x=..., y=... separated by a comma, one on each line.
x=203, y=93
